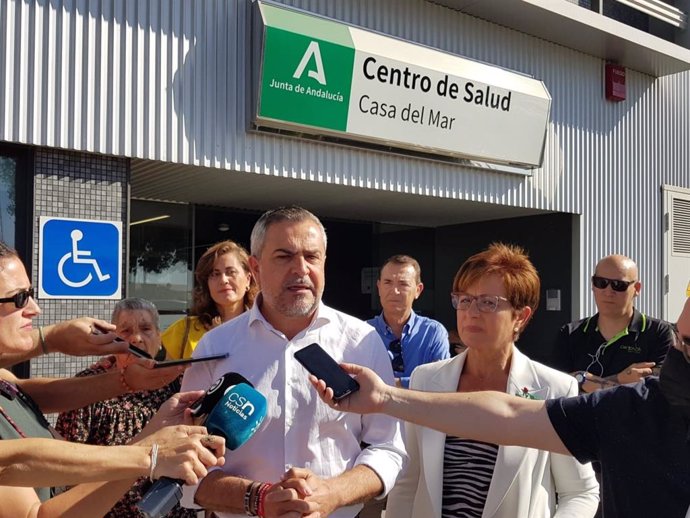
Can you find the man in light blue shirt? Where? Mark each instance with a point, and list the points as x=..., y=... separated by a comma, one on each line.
x=411, y=339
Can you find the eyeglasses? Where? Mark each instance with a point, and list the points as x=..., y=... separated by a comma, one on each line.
x=485, y=303
x=20, y=299
x=616, y=285
x=682, y=342
x=397, y=361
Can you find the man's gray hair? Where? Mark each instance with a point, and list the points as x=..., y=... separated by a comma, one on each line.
x=136, y=304
x=291, y=213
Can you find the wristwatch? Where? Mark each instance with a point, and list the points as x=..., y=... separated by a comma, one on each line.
x=580, y=377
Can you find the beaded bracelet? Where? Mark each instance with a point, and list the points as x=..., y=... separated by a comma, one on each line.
x=154, y=461
x=254, y=506
x=248, y=494
x=126, y=385
x=42, y=340
x=261, y=509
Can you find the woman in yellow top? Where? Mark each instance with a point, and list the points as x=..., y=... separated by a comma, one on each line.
x=224, y=289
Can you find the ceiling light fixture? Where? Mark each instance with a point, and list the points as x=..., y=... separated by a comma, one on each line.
x=149, y=220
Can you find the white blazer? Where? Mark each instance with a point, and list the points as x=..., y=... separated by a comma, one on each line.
x=525, y=481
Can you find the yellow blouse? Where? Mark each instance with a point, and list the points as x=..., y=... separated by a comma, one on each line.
x=173, y=337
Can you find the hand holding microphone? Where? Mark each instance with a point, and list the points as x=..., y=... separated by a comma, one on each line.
x=184, y=452
x=231, y=409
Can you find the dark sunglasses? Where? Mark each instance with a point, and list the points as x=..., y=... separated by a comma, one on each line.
x=616, y=285
x=20, y=299
x=397, y=361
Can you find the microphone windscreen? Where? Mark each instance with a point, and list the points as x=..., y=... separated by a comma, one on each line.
x=206, y=403
x=238, y=415
x=161, y=497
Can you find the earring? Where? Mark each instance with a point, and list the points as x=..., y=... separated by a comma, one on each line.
x=247, y=287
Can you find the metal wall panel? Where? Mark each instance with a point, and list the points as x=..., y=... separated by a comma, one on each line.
x=166, y=80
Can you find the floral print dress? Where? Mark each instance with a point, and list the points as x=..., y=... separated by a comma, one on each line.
x=114, y=422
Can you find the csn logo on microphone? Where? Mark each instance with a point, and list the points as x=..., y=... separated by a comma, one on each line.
x=242, y=410
x=238, y=403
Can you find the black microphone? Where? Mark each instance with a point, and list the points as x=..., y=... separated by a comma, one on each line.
x=230, y=408
x=206, y=403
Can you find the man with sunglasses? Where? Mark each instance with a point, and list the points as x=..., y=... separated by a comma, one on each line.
x=411, y=339
x=619, y=344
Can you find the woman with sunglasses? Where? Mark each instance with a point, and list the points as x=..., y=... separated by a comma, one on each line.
x=495, y=293
x=84, y=336
x=619, y=344
x=31, y=460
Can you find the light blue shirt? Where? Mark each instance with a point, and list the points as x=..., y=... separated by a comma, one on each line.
x=423, y=340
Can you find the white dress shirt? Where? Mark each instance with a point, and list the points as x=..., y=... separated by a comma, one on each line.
x=299, y=429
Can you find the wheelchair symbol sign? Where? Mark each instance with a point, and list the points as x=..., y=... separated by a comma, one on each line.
x=80, y=259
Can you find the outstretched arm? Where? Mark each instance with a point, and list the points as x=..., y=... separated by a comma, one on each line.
x=65, y=394
x=184, y=452
x=78, y=337
x=65, y=463
x=48, y=462
x=493, y=417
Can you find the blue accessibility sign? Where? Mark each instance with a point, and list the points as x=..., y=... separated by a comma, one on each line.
x=80, y=259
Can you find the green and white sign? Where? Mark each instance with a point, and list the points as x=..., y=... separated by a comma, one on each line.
x=323, y=77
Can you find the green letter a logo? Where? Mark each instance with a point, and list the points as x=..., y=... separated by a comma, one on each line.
x=318, y=74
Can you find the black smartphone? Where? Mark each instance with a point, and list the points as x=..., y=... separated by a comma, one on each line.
x=185, y=361
x=320, y=364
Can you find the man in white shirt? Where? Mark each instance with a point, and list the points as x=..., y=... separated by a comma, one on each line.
x=310, y=453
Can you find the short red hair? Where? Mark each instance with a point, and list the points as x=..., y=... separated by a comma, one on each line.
x=512, y=264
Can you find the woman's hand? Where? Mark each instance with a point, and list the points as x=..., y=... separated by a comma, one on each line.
x=175, y=411
x=83, y=336
x=141, y=375
x=184, y=452
x=368, y=399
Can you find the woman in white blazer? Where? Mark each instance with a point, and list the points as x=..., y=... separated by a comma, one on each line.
x=495, y=293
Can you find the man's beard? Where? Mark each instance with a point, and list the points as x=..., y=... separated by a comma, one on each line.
x=300, y=307
x=674, y=380
x=292, y=305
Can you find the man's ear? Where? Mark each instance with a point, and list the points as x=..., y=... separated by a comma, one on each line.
x=254, y=268
x=420, y=289
x=638, y=288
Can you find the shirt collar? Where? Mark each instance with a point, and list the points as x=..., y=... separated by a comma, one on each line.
x=638, y=324
x=409, y=325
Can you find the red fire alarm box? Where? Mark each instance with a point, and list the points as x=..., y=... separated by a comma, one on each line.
x=615, y=82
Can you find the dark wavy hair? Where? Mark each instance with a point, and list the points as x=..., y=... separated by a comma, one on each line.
x=203, y=306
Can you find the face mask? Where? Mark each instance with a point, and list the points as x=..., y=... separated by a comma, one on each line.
x=674, y=379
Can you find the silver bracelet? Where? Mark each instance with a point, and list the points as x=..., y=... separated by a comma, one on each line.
x=154, y=461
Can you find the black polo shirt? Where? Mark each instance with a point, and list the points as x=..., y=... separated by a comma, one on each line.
x=641, y=443
x=646, y=339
